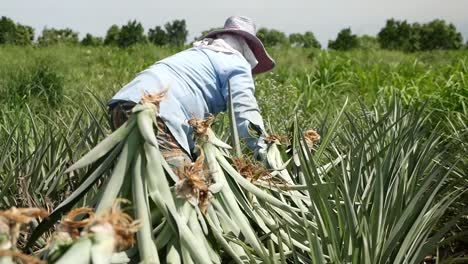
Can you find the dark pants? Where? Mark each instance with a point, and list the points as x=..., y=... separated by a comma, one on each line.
x=174, y=154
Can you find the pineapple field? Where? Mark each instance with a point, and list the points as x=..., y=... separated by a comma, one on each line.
x=366, y=163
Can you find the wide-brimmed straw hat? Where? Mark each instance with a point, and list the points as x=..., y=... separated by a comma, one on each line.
x=245, y=27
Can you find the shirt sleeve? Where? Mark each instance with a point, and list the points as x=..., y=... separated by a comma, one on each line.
x=246, y=111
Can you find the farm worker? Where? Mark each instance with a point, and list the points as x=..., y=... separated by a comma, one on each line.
x=196, y=80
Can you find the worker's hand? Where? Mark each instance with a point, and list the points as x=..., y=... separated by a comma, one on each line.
x=260, y=151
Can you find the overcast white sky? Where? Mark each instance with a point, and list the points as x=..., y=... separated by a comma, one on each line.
x=325, y=18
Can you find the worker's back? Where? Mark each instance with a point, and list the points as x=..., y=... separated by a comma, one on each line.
x=196, y=80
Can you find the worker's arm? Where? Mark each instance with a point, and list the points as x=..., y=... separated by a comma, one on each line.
x=246, y=111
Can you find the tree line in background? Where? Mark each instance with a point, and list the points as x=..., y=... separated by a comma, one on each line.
x=395, y=35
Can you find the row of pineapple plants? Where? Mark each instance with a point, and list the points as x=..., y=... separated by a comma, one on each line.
x=371, y=191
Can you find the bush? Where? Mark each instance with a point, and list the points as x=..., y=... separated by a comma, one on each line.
x=90, y=40
x=272, y=37
x=344, y=41
x=112, y=35
x=36, y=82
x=58, y=36
x=367, y=42
x=306, y=40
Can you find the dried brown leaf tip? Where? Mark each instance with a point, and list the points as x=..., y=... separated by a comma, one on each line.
x=122, y=224
x=71, y=225
x=277, y=139
x=200, y=126
x=113, y=222
x=193, y=183
x=273, y=139
x=311, y=136
x=20, y=257
x=11, y=221
x=154, y=98
x=251, y=170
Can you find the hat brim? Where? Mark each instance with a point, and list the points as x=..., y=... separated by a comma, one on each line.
x=265, y=62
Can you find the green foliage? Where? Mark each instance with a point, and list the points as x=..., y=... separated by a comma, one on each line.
x=130, y=34
x=38, y=83
x=306, y=40
x=7, y=30
x=112, y=36
x=24, y=35
x=39, y=146
x=390, y=187
x=437, y=34
x=344, y=41
x=58, y=36
x=176, y=32
x=388, y=142
x=16, y=34
x=398, y=35
x=158, y=36
x=367, y=42
x=90, y=40
x=272, y=37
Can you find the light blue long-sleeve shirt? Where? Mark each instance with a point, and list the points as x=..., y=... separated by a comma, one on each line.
x=197, y=83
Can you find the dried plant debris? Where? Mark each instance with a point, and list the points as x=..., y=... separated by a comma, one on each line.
x=122, y=225
x=19, y=257
x=270, y=139
x=71, y=226
x=311, y=136
x=200, y=126
x=11, y=221
x=194, y=182
x=154, y=98
x=250, y=169
x=113, y=222
x=278, y=139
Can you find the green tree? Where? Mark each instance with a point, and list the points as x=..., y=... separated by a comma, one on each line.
x=90, y=40
x=112, y=36
x=24, y=35
x=345, y=40
x=272, y=37
x=399, y=35
x=306, y=40
x=437, y=34
x=7, y=30
x=131, y=34
x=58, y=36
x=158, y=36
x=295, y=39
x=389, y=36
x=176, y=32
x=17, y=34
